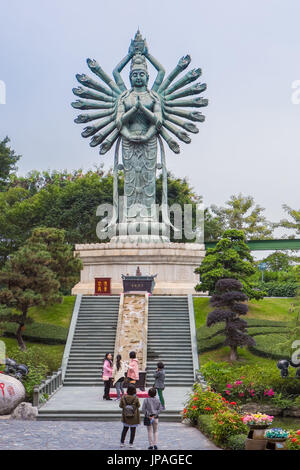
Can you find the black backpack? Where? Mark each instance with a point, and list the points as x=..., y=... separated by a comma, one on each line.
x=129, y=410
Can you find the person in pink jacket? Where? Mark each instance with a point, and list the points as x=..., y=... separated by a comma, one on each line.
x=133, y=368
x=107, y=375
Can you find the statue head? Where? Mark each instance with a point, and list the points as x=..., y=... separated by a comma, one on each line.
x=139, y=76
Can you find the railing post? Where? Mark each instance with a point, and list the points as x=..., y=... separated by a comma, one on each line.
x=48, y=382
x=36, y=395
x=60, y=376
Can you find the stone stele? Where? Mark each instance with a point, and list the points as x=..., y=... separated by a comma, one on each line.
x=12, y=392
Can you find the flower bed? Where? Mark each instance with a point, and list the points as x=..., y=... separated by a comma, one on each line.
x=222, y=421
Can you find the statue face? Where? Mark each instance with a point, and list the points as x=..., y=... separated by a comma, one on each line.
x=139, y=78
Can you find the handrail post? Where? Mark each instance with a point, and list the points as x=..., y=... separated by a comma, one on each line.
x=36, y=395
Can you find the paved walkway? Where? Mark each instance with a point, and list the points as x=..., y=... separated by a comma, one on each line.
x=82, y=435
x=90, y=398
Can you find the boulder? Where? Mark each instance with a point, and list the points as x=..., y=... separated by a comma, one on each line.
x=293, y=411
x=260, y=408
x=25, y=411
x=12, y=392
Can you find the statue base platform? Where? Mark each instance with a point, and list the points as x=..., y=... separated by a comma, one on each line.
x=174, y=264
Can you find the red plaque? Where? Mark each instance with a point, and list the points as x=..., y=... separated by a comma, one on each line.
x=102, y=286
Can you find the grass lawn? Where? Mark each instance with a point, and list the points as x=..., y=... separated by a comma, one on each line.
x=57, y=314
x=266, y=309
x=245, y=357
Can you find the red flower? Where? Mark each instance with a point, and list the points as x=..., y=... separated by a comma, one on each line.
x=207, y=408
x=294, y=440
x=233, y=403
x=298, y=432
x=194, y=407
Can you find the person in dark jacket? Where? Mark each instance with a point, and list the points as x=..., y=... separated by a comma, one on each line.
x=151, y=408
x=159, y=384
x=130, y=405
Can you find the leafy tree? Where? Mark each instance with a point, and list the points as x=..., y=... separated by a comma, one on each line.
x=230, y=258
x=242, y=213
x=278, y=261
x=228, y=301
x=65, y=201
x=293, y=224
x=26, y=281
x=63, y=263
x=8, y=160
x=214, y=227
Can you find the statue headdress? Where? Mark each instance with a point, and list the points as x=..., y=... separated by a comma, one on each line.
x=138, y=62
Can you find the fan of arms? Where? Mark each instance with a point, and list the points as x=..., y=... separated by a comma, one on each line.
x=176, y=98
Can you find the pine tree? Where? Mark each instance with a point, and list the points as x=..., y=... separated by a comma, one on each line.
x=230, y=258
x=63, y=263
x=26, y=281
x=229, y=302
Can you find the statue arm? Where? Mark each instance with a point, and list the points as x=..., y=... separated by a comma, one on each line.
x=154, y=117
x=118, y=69
x=160, y=69
x=122, y=116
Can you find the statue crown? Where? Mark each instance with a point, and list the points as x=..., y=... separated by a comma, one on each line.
x=138, y=62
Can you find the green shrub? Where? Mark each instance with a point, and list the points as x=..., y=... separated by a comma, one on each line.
x=37, y=332
x=227, y=423
x=278, y=289
x=237, y=442
x=205, y=423
x=293, y=441
x=255, y=381
x=202, y=402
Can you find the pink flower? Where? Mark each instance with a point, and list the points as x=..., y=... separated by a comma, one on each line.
x=228, y=392
x=238, y=382
x=241, y=394
x=229, y=386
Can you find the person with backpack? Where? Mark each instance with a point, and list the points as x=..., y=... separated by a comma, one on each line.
x=151, y=408
x=159, y=384
x=130, y=405
x=118, y=374
x=107, y=374
x=133, y=368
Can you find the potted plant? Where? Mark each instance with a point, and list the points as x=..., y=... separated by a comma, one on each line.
x=276, y=435
x=257, y=423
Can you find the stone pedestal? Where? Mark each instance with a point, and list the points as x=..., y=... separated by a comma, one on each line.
x=174, y=264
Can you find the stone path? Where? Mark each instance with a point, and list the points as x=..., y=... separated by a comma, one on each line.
x=90, y=398
x=82, y=435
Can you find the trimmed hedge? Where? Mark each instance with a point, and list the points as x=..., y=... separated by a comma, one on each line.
x=237, y=442
x=278, y=289
x=37, y=332
x=210, y=338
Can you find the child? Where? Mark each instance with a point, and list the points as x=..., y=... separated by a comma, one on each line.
x=130, y=414
x=159, y=384
x=119, y=375
x=151, y=408
x=133, y=368
x=107, y=374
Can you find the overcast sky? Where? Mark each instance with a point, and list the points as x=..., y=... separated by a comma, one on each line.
x=249, y=52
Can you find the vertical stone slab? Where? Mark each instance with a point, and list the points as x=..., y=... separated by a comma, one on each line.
x=132, y=329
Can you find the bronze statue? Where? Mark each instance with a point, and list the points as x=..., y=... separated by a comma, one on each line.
x=139, y=118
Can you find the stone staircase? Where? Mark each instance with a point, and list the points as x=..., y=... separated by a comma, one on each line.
x=94, y=336
x=169, y=340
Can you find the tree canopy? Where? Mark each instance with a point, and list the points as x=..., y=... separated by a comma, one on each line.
x=230, y=258
x=241, y=213
x=8, y=161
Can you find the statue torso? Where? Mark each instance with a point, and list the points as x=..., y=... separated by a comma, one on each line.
x=139, y=123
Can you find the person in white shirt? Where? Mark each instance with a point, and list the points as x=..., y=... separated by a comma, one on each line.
x=118, y=374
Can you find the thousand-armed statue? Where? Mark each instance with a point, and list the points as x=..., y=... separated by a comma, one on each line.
x=138, y=119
